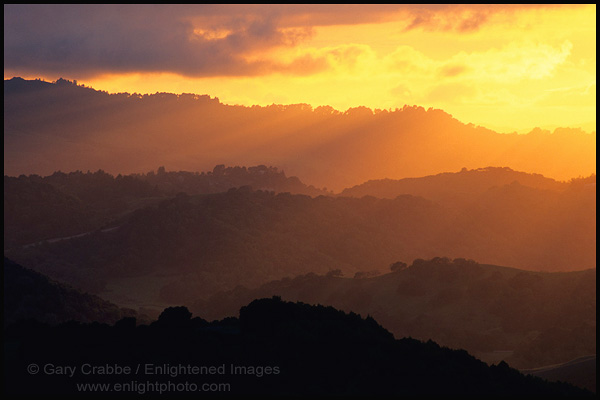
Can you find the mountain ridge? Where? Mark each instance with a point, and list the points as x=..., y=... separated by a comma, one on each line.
x=209, y=242
x=31, y=295
x=70, y=127
x=541, y=317
x=273, y=341
x=16, y=84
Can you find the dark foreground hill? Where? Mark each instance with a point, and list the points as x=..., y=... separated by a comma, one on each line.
x=31, y=295
x=580, y=372
x=274, y=348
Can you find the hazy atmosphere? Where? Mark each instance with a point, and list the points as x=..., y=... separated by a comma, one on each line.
x=300, y=199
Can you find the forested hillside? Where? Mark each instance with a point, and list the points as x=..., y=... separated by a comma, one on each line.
x=274, y=348
x=68, y=204
x=29, y=295
x=63, y=126
x=535, y=318
x=190, y=245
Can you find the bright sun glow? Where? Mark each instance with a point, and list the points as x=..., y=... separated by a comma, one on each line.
x=519, y=69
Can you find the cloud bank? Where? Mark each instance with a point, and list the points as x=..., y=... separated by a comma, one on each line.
x=198, y=40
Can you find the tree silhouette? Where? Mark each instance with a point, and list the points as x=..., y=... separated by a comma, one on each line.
x=178, y=317
x=398, y=266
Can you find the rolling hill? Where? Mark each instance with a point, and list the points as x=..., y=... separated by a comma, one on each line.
x=29, y=295
x=68, y=204
x=528, y=318
x=63, y=126
x=179, y=247
x=274, y=348
x=453, y=188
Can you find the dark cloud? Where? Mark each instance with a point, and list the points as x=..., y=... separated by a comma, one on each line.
x=80, y=40
x=121, y=38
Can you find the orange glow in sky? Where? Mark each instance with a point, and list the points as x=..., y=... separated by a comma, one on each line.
x=508, y=69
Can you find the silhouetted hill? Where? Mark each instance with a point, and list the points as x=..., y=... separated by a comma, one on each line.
x=191, y=245
x=62, y=205
x=486, y=199
x=68, y=127
x=453, y=188
x=201, y=244
x=275, y=348
x=34, y=211
x=223, y=178
x=68, y=204
x=537, y=225
x=30, y=295
x=20, y=87
x=542, y=318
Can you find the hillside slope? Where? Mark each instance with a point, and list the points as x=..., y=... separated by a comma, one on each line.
x=535, y=318
x=188, y=246
x=30, y=295
x=69, y=127
x=275, y=348
x=68, y=204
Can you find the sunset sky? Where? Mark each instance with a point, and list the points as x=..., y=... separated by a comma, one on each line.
x=506, y=67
